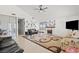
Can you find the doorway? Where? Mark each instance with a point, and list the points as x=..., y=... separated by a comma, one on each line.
x=21, y=26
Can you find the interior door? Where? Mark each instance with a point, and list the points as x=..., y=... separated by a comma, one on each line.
x=21, y=26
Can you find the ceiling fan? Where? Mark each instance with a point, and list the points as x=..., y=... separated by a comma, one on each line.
x=41, y=8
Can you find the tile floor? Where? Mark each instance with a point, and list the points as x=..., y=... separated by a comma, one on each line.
x=30, y=47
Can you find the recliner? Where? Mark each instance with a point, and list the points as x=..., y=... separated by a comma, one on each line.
x=8, y=45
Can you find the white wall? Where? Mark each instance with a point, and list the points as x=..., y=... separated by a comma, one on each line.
x=9, y=9
x=60, y=29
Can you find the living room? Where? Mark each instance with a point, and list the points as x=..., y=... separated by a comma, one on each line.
x=41, y=28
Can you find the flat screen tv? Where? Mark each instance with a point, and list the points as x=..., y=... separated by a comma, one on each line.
x=73, y=25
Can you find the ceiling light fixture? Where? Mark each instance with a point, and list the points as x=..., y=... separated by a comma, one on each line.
x=41, y=8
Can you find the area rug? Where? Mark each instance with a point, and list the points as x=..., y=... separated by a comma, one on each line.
x=50, y=43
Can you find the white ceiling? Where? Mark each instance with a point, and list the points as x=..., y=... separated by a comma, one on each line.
x=52, y=11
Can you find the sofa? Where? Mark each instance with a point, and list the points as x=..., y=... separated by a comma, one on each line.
x=31, y=32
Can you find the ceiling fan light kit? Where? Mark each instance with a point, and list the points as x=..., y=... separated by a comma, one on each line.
x=41, y=8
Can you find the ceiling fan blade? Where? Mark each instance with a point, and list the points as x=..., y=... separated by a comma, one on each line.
x=40, y=6
x=42, y=11
x=45, y=8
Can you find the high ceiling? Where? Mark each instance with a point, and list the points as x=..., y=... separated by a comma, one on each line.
x=52, y=11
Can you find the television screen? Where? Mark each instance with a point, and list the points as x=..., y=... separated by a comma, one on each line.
x=72, y=25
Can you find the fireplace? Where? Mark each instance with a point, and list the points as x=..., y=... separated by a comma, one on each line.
x=49, y=31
